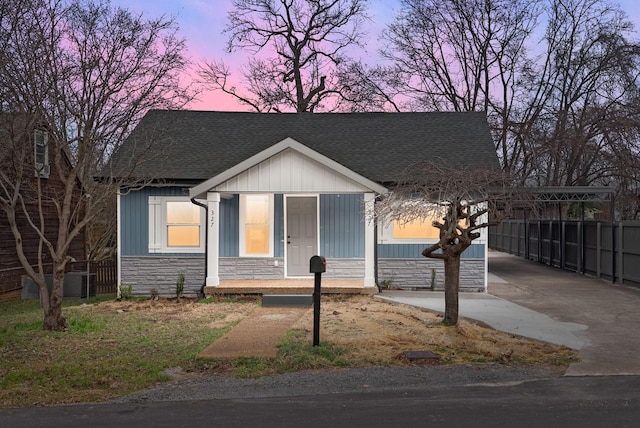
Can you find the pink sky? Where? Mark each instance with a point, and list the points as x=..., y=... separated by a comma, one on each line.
x=202, y=22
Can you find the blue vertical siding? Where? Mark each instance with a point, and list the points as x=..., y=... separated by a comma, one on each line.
x=278, y=227
x=342, y=226
x=229, y=227
x=134, y=218
x=134, y=223
x=414, y=251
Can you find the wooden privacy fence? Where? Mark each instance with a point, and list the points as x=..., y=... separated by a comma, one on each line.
x=106, y=273
x=106, y=276
x=601, y=249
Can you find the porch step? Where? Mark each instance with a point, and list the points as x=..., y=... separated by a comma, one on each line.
x=287, y=299
x=240, y=290
x=288, y=286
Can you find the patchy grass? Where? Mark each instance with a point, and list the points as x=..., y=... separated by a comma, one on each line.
x=114, y=348
x=110, y=348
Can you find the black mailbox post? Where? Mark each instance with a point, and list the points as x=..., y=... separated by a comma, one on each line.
x=317, y=265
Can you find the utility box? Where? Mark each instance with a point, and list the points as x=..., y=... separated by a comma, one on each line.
x=75, y=285
x=317, y=264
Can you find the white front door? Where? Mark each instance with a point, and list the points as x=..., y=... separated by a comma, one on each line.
x=301, y=233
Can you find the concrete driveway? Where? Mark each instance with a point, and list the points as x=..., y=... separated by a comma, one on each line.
x=599, y=319
x=611, y=312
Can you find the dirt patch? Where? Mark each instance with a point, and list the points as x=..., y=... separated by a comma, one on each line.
x=214, y=315
x=374, y=332
x=379, y=331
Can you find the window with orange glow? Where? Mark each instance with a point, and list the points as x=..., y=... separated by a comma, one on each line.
x=183, y=224
x=257, y=225
x=416, y=229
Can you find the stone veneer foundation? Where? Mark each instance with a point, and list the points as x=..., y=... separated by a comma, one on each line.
x=161, y=273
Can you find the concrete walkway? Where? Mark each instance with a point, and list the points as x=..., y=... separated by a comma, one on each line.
x=256, y=336
x=499, y=314
x=599, y=319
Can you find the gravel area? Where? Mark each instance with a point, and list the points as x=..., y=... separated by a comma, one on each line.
x=340, y=381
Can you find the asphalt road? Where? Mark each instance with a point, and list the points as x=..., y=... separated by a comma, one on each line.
x=568, y=401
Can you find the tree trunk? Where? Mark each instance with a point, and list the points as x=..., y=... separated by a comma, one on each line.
x=451, y=288
x=53, y=319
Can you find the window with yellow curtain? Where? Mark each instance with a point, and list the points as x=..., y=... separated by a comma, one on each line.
x=183, y=224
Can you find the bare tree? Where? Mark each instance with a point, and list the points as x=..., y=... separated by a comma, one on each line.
x=81, y=74
x=458, y=53
x=580, y=119
x=459, y=201
x=372, y=88
x=303, y=43
x=559, y=80
x=462, y=55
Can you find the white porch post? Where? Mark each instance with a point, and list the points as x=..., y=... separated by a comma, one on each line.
x=369, y=240
x=119, y=242
x=213, y=246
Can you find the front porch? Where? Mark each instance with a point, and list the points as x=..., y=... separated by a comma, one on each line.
x=288, y=286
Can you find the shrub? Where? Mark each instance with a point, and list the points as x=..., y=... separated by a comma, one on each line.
x=126, y=291
x=180, y=285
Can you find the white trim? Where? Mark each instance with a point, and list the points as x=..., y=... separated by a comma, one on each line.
x=118, y=242
x=369, y=240
x=486, y=265
x=155, y=223
x=288, y=143
x=213, y=244
x=242, y=232
x=286, y=223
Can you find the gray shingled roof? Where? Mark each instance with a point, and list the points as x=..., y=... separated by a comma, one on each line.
x=197, y=145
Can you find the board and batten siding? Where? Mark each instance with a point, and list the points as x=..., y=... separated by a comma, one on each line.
x=290, y=172
x=229, y=227
x=134, y=218
x=414, y=251
x=134, y=222
x=342, y=226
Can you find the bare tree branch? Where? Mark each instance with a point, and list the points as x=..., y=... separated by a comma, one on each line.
x=303, y=42
x=459, y=201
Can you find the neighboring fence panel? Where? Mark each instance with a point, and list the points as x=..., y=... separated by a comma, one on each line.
x=106, y=276
x=593, y=248
x=629, y=237
x=106, y=272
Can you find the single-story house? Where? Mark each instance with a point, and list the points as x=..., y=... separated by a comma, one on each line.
x=252, y=196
